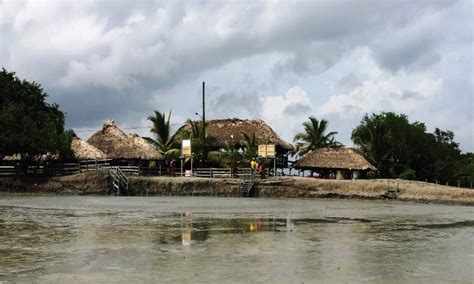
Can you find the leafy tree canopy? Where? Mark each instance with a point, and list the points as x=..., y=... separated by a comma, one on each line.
x=400, y=148
x=28, y=124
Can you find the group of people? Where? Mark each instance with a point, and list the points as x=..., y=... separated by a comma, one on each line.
x=258, y=167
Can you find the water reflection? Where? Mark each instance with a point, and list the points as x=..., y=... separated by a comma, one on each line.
x=186, y=228
x=189, y=240
x=201, y=229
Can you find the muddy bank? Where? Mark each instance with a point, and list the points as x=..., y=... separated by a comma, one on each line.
x=290, y=187
x=296, y=187
x=83, y=183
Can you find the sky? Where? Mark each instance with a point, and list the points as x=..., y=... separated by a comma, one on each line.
x=280, y=61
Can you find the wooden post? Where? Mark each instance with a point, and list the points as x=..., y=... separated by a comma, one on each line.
x=274, y=167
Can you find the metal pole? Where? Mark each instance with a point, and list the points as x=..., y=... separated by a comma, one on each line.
x=204, y=122
x=275, y=167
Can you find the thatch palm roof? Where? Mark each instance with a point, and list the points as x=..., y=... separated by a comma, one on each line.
x=229, y=131
x=334, y=158
x=117, y=145
x=85, y=151
x=81, y=150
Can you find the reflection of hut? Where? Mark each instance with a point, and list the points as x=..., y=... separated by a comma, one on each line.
x=85, y=151
x=118, y=146
x=343, y=162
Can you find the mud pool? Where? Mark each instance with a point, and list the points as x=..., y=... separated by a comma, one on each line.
x=203, y=239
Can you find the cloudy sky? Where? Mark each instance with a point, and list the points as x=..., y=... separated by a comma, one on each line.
x=281, y=61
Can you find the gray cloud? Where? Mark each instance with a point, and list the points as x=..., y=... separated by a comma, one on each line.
x=297, y=109
x=228, y=104
x=348, y=81
x=120, y=59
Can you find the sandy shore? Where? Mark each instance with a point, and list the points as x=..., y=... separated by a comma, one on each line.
x=287, y=187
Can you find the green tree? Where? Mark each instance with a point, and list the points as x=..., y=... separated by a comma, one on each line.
x=231, y=156
x=194, y=131
x=250, y=146
x=400, y=148
x=314, y=137
x=161, y=130
x=28, y=124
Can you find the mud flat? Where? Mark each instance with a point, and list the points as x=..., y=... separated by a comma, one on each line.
x=285, y=187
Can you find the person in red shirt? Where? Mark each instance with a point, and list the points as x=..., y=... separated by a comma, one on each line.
x=261, y=170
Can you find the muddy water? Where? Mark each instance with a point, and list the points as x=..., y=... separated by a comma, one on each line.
x=102, y=239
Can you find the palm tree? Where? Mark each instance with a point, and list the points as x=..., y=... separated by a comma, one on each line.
x=162, y=131
x=250, y=146
x=371, y=138
x=195, y=133
x=314, y=137
x=231, y=156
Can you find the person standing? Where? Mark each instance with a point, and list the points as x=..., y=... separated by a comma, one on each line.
x=253, y=166
x=261, y=170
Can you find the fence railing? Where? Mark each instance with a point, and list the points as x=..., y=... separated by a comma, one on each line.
x=93, y=165
x=222, y=173
x=7, y=170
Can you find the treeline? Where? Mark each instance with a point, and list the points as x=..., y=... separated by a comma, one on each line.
x=403, y=149
x=30, y=126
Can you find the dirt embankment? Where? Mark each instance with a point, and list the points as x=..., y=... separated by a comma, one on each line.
x=290, y=187
x=297, y=187
x=83, y=183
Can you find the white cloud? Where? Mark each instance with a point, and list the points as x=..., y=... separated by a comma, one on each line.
x=383, y=91
x=122, y=59
x=287, y=112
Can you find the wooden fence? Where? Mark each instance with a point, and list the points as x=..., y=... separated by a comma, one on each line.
x=93, y=165
x=222, y=173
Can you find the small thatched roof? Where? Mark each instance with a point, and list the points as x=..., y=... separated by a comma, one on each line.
x=117, y=145
x=14, y=157
x=85, y=151
x=230, y=131
x=334, y=158
x=40, y=157
x=80, y=149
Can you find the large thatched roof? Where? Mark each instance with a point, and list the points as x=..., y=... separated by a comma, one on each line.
x=85, y=151
x=334, y=158
x=117, y=145
x=230, y=131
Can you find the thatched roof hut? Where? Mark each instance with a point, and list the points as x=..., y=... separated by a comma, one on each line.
x=81, y=150
x=334, y=159
x=230, y=131
x=85, y=151
x=117, y=145
x=40, y=157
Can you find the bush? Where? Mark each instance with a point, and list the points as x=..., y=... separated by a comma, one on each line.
x=408, y=174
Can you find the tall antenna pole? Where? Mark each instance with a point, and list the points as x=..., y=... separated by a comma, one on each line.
x=204, y=122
